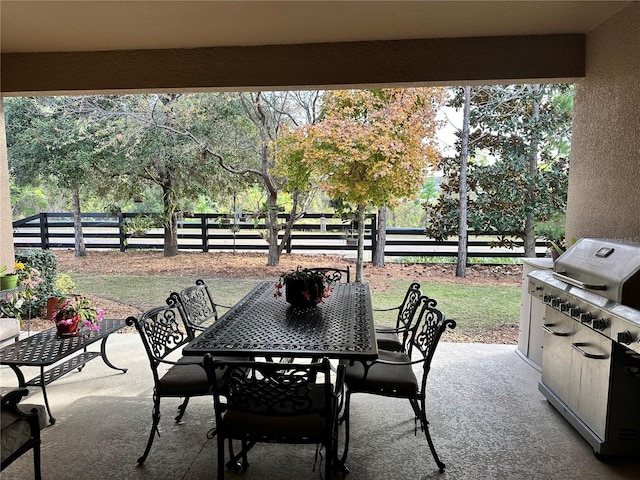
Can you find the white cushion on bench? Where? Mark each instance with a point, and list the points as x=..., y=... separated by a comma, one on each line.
x=9, y=330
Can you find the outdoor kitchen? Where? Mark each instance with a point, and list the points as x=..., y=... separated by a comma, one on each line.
x=591, y=343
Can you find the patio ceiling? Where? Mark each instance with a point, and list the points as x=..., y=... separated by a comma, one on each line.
x=103, y=46
x=65, y=26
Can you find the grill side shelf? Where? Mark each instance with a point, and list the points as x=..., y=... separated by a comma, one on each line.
x=576, y=283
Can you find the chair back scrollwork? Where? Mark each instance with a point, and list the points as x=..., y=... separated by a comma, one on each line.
x=274, y=402
x=197, y=303
x=426, y=332
x=334, y=275
x=162, y=331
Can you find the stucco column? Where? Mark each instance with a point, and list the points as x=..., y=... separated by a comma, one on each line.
x=6, y=228
x=604, y=172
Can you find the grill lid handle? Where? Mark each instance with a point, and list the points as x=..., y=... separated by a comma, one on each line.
x=576, y=283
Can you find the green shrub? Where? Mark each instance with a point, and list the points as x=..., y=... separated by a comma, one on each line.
x=64, y=283
x=46, y=263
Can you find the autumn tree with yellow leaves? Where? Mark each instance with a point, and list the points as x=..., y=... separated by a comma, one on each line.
x=372, y=148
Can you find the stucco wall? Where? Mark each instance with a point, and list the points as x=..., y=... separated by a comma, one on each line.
x=604, y=179
x=6, y=237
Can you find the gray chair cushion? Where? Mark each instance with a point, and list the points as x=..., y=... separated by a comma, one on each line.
x=310, y=427
x=9, y=330
x=386, y=379
x=16, y=430
x=186, y=379
x=387, y=340
x=287, y=425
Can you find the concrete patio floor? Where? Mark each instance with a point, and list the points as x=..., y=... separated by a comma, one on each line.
x=488, y=421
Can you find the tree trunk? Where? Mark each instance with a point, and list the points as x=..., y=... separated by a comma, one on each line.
x=272, y=228
x=171, y=234
x=378, y=255
x=529, y=220
x=360, y=250
x=79, y=250
x=288, y=227
x=461, y=268
x=170, y=221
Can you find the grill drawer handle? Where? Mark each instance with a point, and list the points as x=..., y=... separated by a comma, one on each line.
x=578, y=348
x=546, y=328
x=576, y=283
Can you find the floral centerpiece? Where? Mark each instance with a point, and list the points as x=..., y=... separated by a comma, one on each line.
x=303, y=287
x=69, y=313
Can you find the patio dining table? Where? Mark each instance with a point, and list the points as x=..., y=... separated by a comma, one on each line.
x=264, y=325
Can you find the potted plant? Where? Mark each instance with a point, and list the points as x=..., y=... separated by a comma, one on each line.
x=303, y=287
x=552, y=230
x=8, y=281
x=72, y=312
x=27, y=281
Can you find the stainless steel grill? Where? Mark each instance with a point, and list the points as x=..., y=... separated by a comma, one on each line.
x=591, y=349
x=597, y=283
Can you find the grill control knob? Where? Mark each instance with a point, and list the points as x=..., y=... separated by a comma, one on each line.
x=600, y=323
x=565, y=306
x=575, y=312
x=546, y=298
x=555, y=301
x=625, y=337
x=585, y=317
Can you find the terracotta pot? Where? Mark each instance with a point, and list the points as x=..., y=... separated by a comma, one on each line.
x=53, y=304
x=67, y=329
x=303, y=294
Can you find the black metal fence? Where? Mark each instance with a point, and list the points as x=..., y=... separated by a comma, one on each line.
x=315, y=232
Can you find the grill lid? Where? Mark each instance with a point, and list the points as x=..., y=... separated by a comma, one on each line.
x=609, y=267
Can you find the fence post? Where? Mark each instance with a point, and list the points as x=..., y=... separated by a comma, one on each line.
x=288, y=246
x=204, y=232
x=122, y=236
x=374, y=233
x=44, y=231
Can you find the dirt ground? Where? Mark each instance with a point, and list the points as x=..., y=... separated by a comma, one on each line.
x=252, y=265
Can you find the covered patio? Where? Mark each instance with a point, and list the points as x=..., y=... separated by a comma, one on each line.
x=487, y=420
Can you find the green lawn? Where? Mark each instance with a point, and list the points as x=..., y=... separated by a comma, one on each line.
x=478, y=307
x=145, y=292
x=472, y=307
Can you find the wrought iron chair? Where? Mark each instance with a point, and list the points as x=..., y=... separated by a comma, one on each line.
x=395, y=338
x=163, y=331
x=20, y=430
x=392, y=374
x=198, y=305
x=274, y=402
x=334, y=275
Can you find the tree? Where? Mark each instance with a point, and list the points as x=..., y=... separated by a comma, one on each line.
x=464, y=159
x=156, y=140
x=26, y=200
x=274, y=114
x=47, y=142
x=517, y=172
x=372, y=148
x=187, y=144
